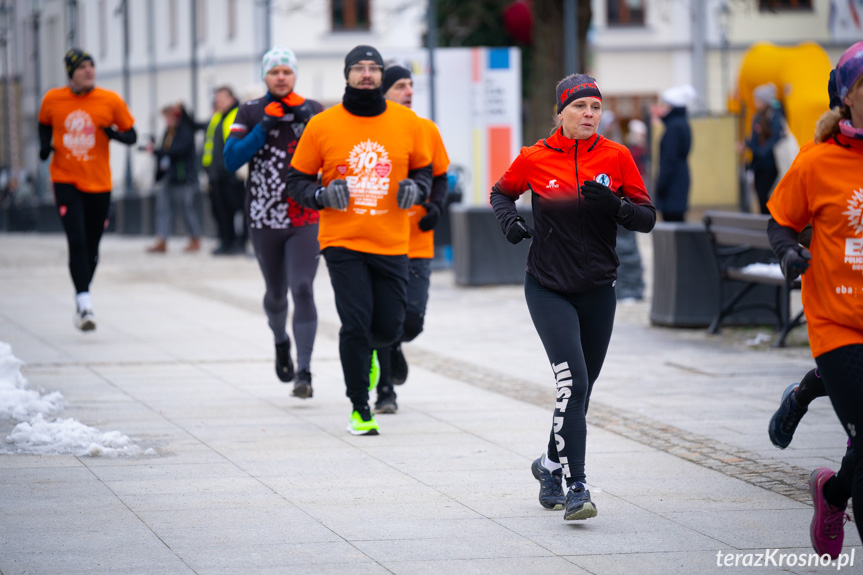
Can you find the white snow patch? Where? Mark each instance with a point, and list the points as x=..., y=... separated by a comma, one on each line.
x=770, y=270
x=39, y=430
x=759, y=338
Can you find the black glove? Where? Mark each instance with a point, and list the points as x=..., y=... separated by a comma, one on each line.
x=430, y=220
x=600, y=197
x=408, y=194
x=518, y=231
x=794, y=262
x=335, y=195
x=302, y=113
x=273, y=112
x=45, y=152
x=110, y=132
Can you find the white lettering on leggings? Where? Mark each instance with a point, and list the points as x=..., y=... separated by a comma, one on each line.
x=563, y=378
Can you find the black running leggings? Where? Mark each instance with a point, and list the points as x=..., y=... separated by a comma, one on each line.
x=288, y=259
x=842, y=373
x=575, y=330
x=84, y=216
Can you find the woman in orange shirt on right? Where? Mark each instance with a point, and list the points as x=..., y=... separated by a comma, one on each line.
x=824, y=187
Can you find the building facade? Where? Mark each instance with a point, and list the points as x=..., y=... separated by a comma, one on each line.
x=157, y=52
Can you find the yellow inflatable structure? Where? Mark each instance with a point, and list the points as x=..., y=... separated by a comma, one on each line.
x=800, y=74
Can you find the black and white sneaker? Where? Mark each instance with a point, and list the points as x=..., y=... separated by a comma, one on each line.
x=398, y=366
x=85, y=319
x=284, y=365
x=578, y=503
x=303, y=384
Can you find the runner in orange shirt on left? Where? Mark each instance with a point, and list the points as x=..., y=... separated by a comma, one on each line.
x=80, y=119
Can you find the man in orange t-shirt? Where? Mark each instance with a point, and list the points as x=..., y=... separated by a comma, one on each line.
x=398, y=87
x=374, y=166
x=81, y=119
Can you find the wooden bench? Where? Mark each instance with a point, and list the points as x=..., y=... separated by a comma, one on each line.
x=739, y=240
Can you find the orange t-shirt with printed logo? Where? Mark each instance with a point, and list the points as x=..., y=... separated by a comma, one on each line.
x=80, y=143
x=825, y=187
x=372, y=154
x=422, y=243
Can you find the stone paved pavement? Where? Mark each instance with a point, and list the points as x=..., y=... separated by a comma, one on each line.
x=246, y=479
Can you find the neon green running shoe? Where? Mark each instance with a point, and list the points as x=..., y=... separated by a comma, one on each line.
x=363, y=422
x=375, y=371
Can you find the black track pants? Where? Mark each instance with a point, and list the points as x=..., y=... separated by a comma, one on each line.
x=84, y=216
x=370, y=292
x=575, y=330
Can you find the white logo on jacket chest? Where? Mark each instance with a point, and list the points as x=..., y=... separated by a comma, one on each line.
x=552, y=184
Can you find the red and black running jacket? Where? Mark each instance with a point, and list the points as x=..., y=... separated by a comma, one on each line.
x=573, y=247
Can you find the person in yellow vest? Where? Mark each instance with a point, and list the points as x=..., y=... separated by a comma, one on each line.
x=227, y=191
x=397, y=87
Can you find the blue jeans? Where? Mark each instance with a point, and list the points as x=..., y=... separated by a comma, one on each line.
x=168, y=196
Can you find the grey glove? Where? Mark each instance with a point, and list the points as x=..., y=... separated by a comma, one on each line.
x=408, y=194
x=335, y=195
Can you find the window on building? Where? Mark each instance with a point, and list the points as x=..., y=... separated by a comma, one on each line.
x=626, y=12
x=232, y=19
x=82, y=39
x=350, y=14
x=201, y=23
x=777, y=5
x=103, y=29
x=172, y=23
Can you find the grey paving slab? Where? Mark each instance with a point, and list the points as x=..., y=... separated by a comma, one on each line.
x=504, y=566
x=679, y=563
x=505, y=544
x=247, y=479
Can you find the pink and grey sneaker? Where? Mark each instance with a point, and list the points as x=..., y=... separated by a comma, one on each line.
x=827, y=530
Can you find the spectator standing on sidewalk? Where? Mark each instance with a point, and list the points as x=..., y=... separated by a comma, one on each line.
x=80, y=119
x=822, y=188
x=177, y=177
x=227, y=192
x=398, y=87
x=767, y=129
x=572, y=267
x=375, y=167
x=672, y=183
x=284, y=234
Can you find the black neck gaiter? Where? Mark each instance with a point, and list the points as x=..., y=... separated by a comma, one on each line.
x=364, y=102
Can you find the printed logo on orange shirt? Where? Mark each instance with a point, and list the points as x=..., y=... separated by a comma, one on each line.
x=854, y=245
x=80, y=136
x=370, y=169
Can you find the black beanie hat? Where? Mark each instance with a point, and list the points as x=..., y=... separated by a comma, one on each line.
x=74, y=58
x=392, y=75
x=362, y=52
x=574, y=87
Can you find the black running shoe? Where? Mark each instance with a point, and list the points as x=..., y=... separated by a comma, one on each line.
x=578, y=503
x=550, y=485
x=398, y=366
x=386, y=402
x=284, y=365
x=784, y=422
x=303, y=384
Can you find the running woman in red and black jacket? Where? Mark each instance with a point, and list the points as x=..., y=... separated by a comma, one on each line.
x=583, y=185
